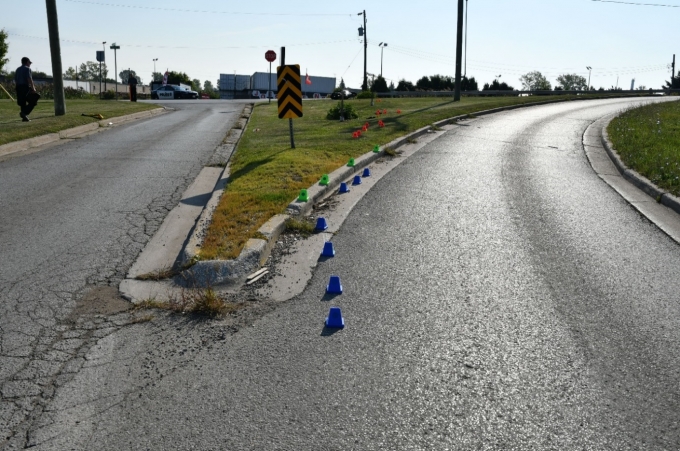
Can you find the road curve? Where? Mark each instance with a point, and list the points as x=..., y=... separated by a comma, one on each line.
x=497, y=295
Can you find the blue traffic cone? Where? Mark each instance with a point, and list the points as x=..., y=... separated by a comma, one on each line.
x=335, y=319
x=357, y=180
x=321, y=224
x=328, y=250
x=334, y=285
x=343, y=188
x=367, y=172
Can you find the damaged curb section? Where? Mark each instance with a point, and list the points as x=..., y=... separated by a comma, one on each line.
x=663, y=197
x=25, y=144
x=256, y=251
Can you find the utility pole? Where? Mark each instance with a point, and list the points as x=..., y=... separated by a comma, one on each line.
x=459, y=51
x=364, y=87
x=466, y=27
x=100, y=71
x=673, y=72
x=55, y=50
x=590, y=69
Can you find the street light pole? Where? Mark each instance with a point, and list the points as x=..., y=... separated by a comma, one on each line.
x=589, y=71
x=115, y=47
x=154, y=70
x=100, y=72
x=382, y=46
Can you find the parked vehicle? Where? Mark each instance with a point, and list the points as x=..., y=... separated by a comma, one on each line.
x=173, y=92
x=343, y=94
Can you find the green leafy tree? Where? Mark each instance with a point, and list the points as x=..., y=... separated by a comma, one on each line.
x=125, y=76
x=424, y=84
x=70, y=74
x=674, y=83
x=196, y=84
x=572, y=82
x=90, y=71
x=468, y=84
x=379, y=85
x=4, y=48
x=175, y=78
x=208, y=86
x=404, y=85
x=535, y=81
x=496, y=86
x=391, y=86
x=156, y=76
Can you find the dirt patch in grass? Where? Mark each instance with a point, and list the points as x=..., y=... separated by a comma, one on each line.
x=648, y=140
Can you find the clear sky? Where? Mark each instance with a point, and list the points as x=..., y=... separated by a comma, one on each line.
x=507, y=38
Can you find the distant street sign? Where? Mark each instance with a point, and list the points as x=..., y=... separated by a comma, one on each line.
x=270, y=56
x=290, y=91
x=100, y=56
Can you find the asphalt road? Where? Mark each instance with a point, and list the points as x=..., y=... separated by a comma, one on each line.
x=74, y=218
x=498, y=295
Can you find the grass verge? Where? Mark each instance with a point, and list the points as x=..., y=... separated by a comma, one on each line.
x=43, y=120
x=266, y=174
x=648, y=141
x=198, y=301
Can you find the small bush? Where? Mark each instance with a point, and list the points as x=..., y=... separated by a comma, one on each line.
x=108, y=95
x=366, y=95
x=349, y=112
x=304, y=228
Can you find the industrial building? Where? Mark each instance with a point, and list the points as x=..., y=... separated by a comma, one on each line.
x=233, y=86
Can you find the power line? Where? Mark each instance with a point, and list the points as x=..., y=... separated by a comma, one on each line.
x=186, y=47
x=205, y=11
x=637, y=4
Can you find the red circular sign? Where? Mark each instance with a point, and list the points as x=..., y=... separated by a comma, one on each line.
x=270, y=56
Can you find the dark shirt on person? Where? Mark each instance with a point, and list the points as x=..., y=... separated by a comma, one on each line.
x=23, y=75
x=132, y=81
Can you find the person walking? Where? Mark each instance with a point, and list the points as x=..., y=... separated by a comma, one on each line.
x=132, y=83
x=23, y=78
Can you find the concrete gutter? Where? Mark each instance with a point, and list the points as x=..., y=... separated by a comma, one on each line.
x=76, y=132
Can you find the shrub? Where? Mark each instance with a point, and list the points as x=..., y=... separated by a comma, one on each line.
x=72, y=93
x=365, y=95
x=108, y=95
x=334, y=112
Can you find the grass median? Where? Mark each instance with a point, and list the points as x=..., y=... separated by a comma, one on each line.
x=43, y=120
x=648, y=141
x=266, y=174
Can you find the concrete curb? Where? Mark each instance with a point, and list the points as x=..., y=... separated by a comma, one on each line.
x=641, y=182
x=25, y=144
x=256, y=251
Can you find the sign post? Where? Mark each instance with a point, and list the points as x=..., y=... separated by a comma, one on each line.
x=271, y=57
x=290, y=95
x=101, y=58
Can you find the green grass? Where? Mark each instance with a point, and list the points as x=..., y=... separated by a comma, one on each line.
x=648, y=140
x=266, y=174
x=43, y=120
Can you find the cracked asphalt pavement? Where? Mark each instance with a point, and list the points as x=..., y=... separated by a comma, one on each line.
x=74, y=218
x=497, y=295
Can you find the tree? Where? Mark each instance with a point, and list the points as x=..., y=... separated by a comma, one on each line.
x=391, y=86
x=379, y=85
x=572, y=82
x=125, y=76
x=156, y=76
x=535, y=81
x=404, y=85
x=208, y=86
x=196, y=84
x=424, y=84
x=175, y=78
x=90, y=71
x=4, y=48
x=70, y=74
x=468, y=84
x=496, y=86
x=674, y=83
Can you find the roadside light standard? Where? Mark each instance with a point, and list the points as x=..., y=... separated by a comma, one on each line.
x=589, y=71
x=382, y=46
x=115, y=47
x=154, y=70
x=100, y=72
x=362, y=32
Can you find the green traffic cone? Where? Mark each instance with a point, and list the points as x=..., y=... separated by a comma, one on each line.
x=376, y=149
x=324, y=180
x=303, y=197
x=351, y=163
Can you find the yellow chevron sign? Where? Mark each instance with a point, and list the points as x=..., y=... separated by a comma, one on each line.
x=290, y=91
